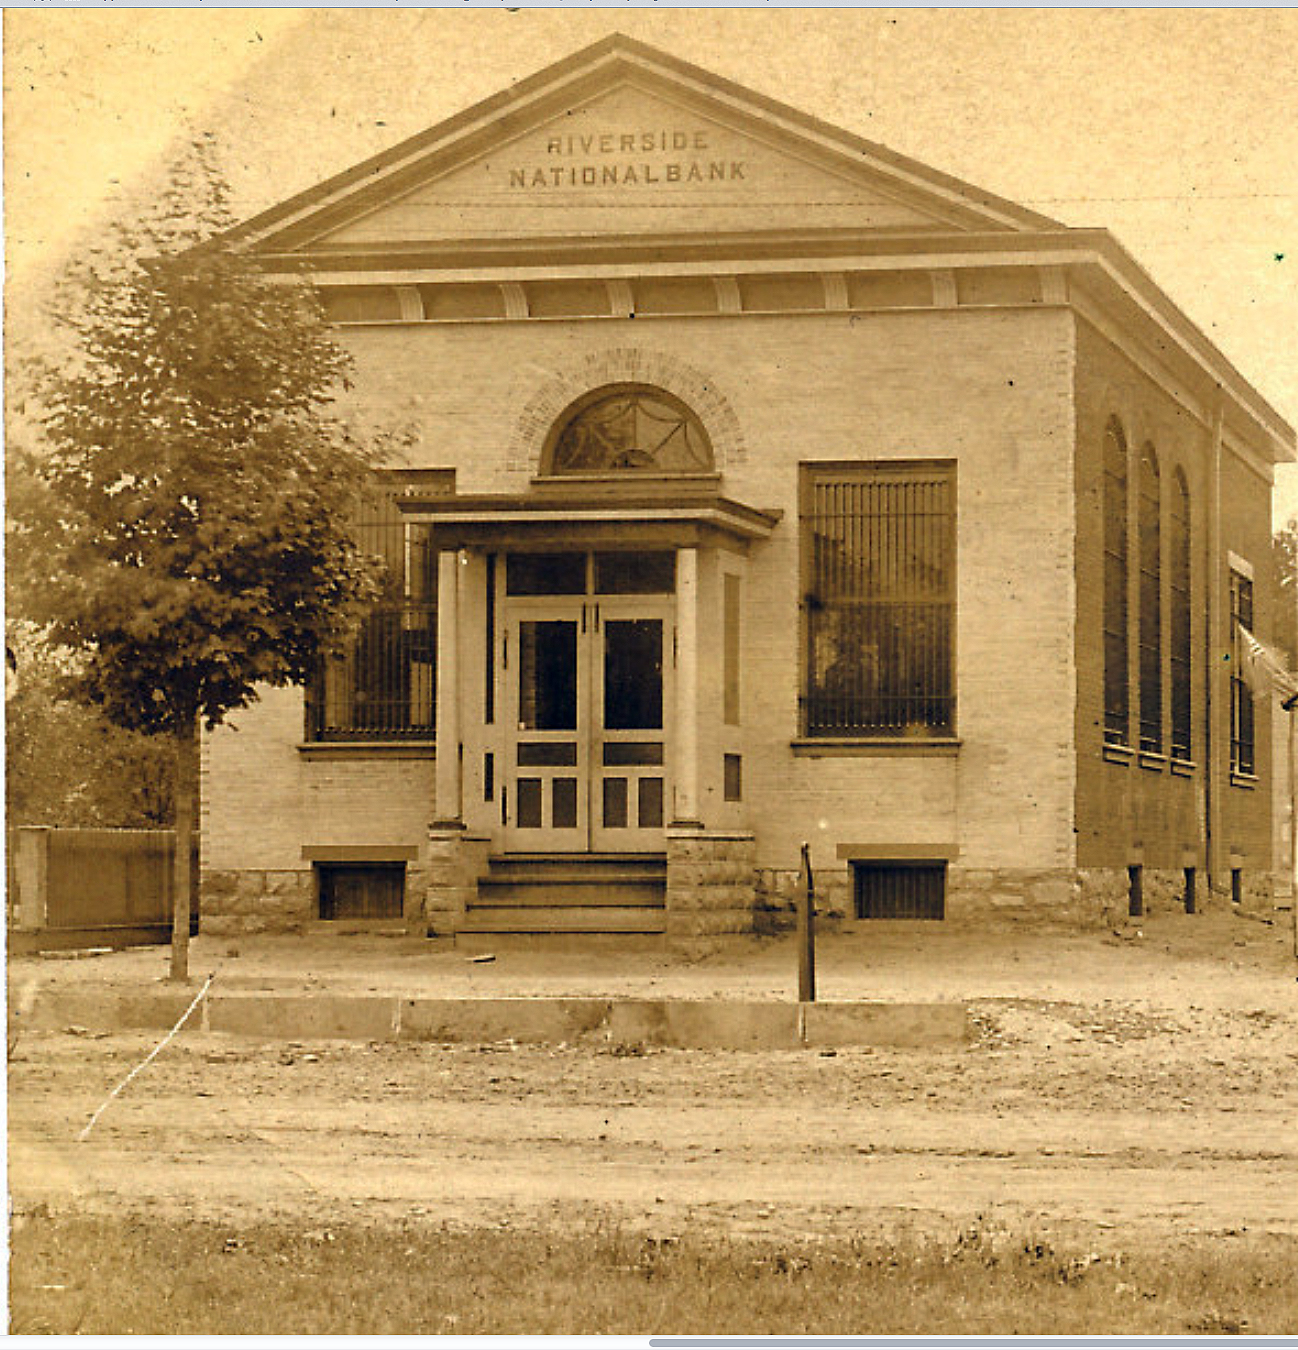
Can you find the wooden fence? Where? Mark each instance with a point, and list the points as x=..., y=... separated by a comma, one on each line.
x=86, y=888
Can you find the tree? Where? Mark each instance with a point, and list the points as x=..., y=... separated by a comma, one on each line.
x=65, y=763
x=186, y=529
x=1284, y=608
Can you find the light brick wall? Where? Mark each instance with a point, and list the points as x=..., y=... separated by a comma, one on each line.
x=262, y=800
x=989, y=389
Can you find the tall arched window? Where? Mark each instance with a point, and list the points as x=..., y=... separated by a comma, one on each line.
x=628, y=428
x=1178, y=590
x=1151, y=605
x=1117, y=704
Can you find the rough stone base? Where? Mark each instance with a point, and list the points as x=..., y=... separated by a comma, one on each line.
x=1064, y=897
x=282, y=902
x=456, y=860
x=256, y=902
x=1258, y=891
x=711, y=889
x=778, y=892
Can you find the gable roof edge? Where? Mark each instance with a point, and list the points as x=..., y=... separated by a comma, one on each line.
x=617, y=47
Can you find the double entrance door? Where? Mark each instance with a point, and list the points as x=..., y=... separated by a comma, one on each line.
x=587, y=705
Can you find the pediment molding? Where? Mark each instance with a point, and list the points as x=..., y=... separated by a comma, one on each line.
x=471, y=154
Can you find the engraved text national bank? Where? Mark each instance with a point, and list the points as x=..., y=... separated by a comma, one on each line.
x=624, y=158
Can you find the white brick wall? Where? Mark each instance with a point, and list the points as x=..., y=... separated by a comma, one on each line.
x=991, y=389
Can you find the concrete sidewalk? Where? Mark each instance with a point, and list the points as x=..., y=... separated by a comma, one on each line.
x=882, y=983
x=702, y=1024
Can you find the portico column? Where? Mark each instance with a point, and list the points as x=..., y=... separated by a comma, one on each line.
x=448, y=804
x=686, y=737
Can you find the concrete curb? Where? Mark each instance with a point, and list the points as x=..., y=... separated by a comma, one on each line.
x=685, y=1024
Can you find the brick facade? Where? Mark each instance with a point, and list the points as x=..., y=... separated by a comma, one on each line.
x=1002, y=365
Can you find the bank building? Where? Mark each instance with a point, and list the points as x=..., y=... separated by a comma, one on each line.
x=765, y=487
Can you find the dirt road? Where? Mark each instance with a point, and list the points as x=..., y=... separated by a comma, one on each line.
x=1174, y=1109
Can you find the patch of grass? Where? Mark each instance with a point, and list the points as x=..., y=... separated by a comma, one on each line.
x=140, y=1275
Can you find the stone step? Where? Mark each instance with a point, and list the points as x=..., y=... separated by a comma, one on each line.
x=565, y=919
x=531, y=866
x=575, y=893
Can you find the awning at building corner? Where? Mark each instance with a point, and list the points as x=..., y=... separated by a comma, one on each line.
x=587, y=519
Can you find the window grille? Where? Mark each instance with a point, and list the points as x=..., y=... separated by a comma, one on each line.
x=1243, y=758
x=384, y=687
x=1179, y=557
x=361, y=890
x=1151, y=605
x=1117, y=709
x=879, y=577
x=893, y=890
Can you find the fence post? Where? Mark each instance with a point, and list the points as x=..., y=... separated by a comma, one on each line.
x=807, y=932
x=31, y=873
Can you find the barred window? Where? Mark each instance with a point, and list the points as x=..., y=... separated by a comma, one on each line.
x=1117, y=706
x=1151, y=605
x=384, y=688
x=878, y=572
x=1178, y=591
x=1243, y=758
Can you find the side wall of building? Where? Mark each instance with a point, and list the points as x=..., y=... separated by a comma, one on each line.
x=1146, y=809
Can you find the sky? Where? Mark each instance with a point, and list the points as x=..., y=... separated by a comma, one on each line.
x=1175, y=129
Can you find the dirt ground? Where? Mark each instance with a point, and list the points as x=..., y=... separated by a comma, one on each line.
x=1140, y=1083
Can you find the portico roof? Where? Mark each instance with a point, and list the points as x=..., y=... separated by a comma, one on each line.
x=557, y=516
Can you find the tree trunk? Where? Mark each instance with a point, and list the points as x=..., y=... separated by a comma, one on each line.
x=186, y=793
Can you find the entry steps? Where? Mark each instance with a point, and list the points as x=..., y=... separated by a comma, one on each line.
x=530, y=893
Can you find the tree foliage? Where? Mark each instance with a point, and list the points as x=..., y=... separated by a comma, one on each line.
x=183, y=527
x=65, y=763
x=1285, y=598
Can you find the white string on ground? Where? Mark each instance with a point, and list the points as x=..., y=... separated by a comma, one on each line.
x=152, y=1055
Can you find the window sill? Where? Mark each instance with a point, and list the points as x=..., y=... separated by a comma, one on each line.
x=1118, y=754
x=883, y=747
x=1153, y=761
x=1243, y=780
x=367, y=749
x=1183, y=768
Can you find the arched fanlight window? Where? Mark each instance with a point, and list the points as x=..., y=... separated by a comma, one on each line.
x=629, y=428
x=1178, y=591
x=1116, y=691
x=1151, y=604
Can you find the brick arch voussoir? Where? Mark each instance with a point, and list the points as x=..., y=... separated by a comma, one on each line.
x=626, y=365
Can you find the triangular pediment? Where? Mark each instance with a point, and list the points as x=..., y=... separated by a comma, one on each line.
x=621, y=140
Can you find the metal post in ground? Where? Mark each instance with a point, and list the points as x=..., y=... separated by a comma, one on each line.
x=807, y=932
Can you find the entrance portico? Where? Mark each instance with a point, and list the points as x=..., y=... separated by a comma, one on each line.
x=568, y=632
x=570, y=710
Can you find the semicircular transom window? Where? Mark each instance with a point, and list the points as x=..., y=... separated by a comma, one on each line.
x=631, y=429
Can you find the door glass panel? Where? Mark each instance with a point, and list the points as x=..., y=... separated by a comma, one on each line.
x=633, y=752
x=651, y=804
x=529, y=803
x=635, y=573
x=633, y=674
x=564, y=802
x=547, y=675
x=615, y=804
x=545, y=574
x=535, y=754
